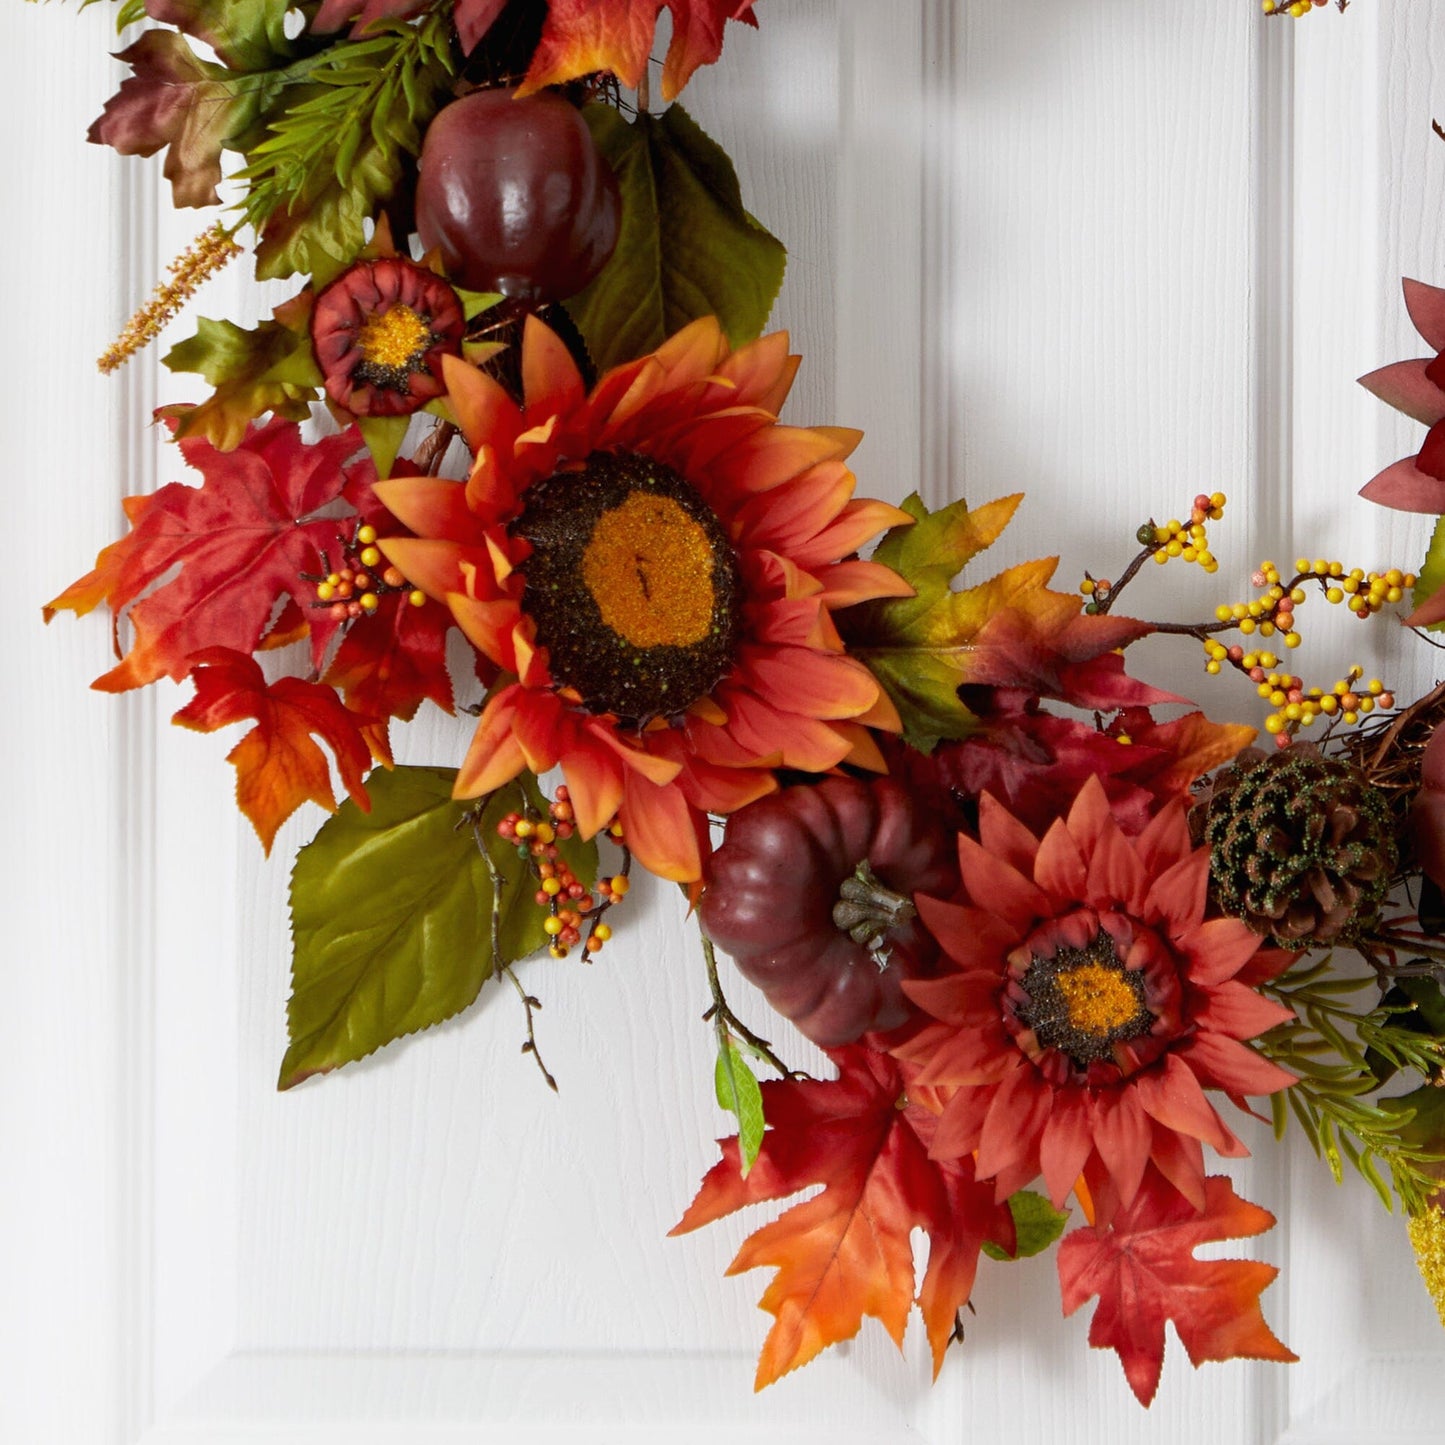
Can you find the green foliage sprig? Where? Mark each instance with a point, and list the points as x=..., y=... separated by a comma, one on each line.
x=332, y=157
x=1338, y=1050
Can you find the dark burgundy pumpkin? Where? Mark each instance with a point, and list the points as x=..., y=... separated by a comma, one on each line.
x=517, y=196
x=773, y=884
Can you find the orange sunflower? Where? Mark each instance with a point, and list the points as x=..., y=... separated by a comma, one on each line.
x=653, y=567
x=1093, y=1006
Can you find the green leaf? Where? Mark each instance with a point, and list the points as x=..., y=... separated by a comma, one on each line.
x=1037, y=1224
x=918, y=647
x=269, y=369
x=1431, y=576
x=687, y=247
x=332, y=156
x=738, y=1092
x=1413, y=1005
x=391, y=916
x=383, y=436
x=247, y=35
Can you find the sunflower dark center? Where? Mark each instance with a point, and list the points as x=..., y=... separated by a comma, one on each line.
x=1083, y=1001
x=393, y=347
x=633, y=584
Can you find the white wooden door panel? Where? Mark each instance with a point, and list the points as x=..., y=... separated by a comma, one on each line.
x=1105, y=253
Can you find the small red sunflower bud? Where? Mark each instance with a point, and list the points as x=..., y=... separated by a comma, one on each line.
x=379, y=332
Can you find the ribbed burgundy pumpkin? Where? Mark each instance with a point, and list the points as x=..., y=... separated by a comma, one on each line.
x=774, y=883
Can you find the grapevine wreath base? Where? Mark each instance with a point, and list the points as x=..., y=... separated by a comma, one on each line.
x=1054, y=934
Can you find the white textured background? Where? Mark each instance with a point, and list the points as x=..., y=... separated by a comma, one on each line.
x=1105, y=252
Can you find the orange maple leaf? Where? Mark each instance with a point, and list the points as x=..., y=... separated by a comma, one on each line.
x=1143, y=1269
x=845, y=1253
x=581, y=36
x=278, y=766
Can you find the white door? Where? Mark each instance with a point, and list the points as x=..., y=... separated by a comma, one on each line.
x=1106, y=252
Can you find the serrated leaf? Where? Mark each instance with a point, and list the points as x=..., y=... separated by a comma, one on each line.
x=1009, y=631
x=247, y=35
x=740, y=1094
x=687, y=247
x=176, y=102
x=1431, y=576
x=268, y=369
x=1037, y=1224
x=391, y=916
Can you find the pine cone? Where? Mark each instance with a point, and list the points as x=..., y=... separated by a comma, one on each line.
x=1303, y=847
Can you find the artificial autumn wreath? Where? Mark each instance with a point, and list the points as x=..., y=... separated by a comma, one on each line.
x=1038, y=949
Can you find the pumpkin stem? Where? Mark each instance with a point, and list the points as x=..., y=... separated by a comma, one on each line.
x=867, y=910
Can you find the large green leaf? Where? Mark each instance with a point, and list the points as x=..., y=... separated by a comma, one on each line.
x=247, y=35
x=687, y=247
x=391, y=917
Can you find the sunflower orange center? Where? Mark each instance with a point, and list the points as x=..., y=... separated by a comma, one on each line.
x=393, y=340
x=633, y=585
x=649, y=568
x=1082, y=1001
x=1097, y=999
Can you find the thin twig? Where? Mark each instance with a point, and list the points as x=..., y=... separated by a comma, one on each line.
x=721, y=1016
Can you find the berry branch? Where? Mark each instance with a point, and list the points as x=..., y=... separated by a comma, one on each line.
x=1269, y=614
x=530, y=1003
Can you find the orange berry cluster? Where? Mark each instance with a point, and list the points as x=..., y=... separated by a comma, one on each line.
x=569, y=905
x=356, y=587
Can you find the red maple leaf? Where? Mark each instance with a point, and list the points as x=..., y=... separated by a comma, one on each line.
x=1143, y=1269
x=581, y=36
x=388, y=662
x=241, y=542
x=845, y=1253
x=278, y=766
x=1047, y=645
x=1035, y=762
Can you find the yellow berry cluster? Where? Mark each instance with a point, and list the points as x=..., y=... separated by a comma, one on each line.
x=1272, y=613
x=1296, y=708
x=1296, y=8
x=1273, y=610
x=356, y=587
x=568, y=903
x=1187, y=540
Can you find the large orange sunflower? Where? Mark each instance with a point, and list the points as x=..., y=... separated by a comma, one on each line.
x=1093, y=1006
x=654, y=566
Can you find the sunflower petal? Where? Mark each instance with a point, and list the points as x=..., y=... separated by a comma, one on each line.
x=495, y=756
x=551, y=383
x=661, y=829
